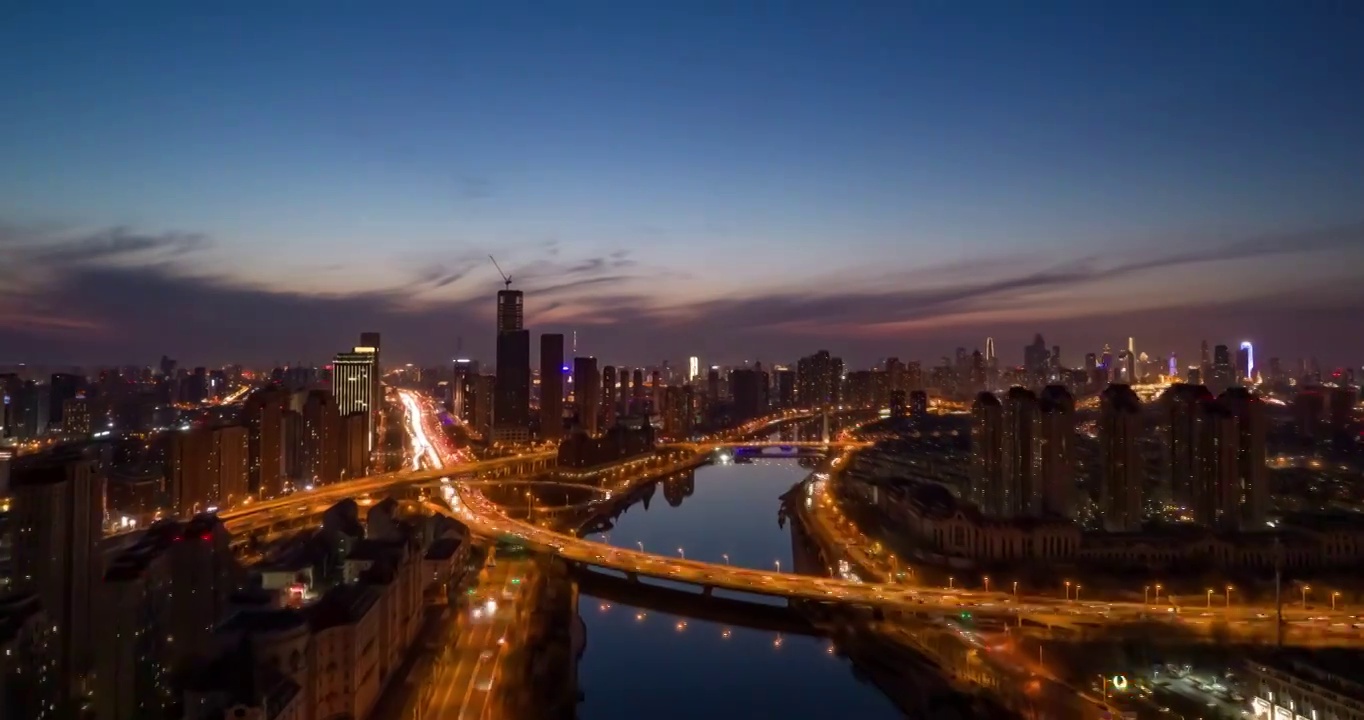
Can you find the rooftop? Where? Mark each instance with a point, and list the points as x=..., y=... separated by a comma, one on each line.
x=274, y=620
x=1336, y=669
x=343, y=605
x=443, y=549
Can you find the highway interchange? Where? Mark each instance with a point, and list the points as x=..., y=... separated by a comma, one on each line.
x=476, y=648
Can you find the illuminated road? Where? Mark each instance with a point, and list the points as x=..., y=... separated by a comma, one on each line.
x=485, y=518
x=422, y=450
x=1255, y=622
x=482, y=636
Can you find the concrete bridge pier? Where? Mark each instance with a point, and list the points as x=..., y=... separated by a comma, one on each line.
x=632, y=576
x=707, y=590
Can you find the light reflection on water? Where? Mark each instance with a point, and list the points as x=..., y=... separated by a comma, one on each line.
x=641, y=663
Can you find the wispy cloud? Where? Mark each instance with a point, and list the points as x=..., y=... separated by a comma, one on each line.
x=118, y=294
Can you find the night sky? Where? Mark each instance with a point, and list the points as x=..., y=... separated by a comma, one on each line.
x=732, y=180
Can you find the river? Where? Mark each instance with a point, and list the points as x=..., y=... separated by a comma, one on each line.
x=641, y=663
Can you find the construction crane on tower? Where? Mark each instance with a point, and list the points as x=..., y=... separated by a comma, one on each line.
x=506, y=279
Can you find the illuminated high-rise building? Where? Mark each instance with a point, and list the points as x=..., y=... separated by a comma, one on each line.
x=372, y=340
x=818, y=377
x=1121, y=468
x=678, y=411
x=263, y=415
x=693, y=368
x=355, y=383
x=1245, y=362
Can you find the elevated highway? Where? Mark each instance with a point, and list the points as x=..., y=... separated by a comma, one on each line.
x=302, y=508
x=486, y=519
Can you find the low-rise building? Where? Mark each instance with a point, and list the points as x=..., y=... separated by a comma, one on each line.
x=954, y=530
x=442, y=561
x=1306, y=685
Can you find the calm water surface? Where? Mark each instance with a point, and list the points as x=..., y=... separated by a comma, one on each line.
x=640, y=663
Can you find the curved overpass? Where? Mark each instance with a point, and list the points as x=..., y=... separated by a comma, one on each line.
x=291, y=510
x=254, y=516
x=484, y=518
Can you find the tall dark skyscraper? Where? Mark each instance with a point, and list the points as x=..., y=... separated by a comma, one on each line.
x=609, y=404
x=636, y=391
x=1182, y=406
x=65, y=386
x=1021, y=463
x=57, y=516
x=510, y=314
x=987, y=445
x=511, y=393
x=1057, y=451
x=551, y=386
x=1036, y=359
x=748, y=387
x=587, y=392
x=1121, y=469
x=1223, y=373
x=1251, y=474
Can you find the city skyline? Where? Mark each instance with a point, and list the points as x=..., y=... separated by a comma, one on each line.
x=892, y=187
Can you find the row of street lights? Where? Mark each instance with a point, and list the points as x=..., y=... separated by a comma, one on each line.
x=682, y=553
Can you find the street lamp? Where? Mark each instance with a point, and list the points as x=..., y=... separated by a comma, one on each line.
x=950, y=582
x=683, y=554
x=1229, y=589
x=1334, y=595
x=1146, y=595
x=1077, y=592
x=987, y=583
x=726, y=557
x=1305, y=588
x=1015, y=591
x=640, y=543
x=1158, y=586
x=1209, y=598
x=778, y=562
x=1067, y=590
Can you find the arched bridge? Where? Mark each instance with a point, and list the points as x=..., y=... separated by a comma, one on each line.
x=697, y=606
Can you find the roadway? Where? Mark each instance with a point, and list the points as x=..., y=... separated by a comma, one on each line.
x=1308, y=625
x=483, y=635
x=485, y=518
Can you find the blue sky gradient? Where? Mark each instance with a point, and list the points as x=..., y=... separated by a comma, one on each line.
x=682, y=175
